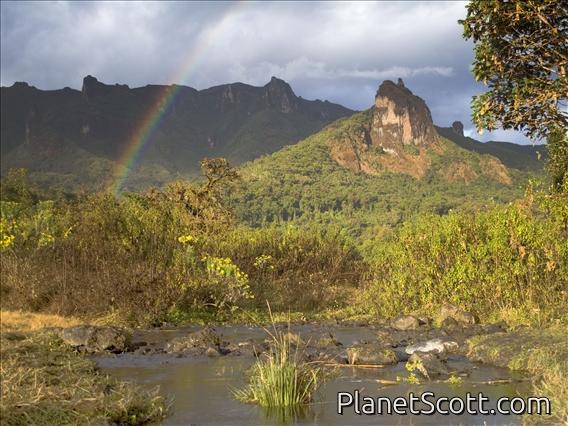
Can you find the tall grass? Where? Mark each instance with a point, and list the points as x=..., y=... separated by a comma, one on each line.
x=283, y=379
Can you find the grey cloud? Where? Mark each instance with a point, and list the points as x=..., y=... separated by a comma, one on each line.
x=339, y=51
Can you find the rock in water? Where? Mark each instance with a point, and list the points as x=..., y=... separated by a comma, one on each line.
x=428, y=364
x=202, y=339
x=371, y=355
x=434, y=345
x=95, y=339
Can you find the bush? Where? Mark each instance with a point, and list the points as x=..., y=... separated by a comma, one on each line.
x=144, y=257
x=512, y=257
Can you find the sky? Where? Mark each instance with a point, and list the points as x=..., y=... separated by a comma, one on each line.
x=336, y=51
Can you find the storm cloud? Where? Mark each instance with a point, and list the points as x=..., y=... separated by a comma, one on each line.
x=339, y=51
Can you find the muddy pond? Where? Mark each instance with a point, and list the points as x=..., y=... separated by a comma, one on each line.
x=200, y=383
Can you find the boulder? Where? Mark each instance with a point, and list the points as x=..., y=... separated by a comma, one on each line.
x=95, y=338
x=463, y=317
x=495, y=328
x=202, y=339
x=327, y=341
x=405, y=322
x=427, y=364
x=438, y=346
x=372, y=355
x=450, y=326
x=212, y=352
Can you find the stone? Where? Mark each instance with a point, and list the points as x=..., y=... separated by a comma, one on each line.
x=399, y=139
x=427, y=364
x=495, y=328
x=93, y=88
x=279, y=94
x=371, y=355
x=463, y=317
x=204, y=338
x=95, y=338
x=457, y=127
x=433, y=345
x=450, y=325
x=405, y=322
x=402, y=118
x=327, y=341
x=212, y=352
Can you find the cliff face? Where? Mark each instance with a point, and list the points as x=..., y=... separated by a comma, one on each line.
x=401, y=118
x=398, y=137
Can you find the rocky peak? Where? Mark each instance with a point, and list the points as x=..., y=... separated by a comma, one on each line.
x=399, y=135
x=21, y=85
x=401, y=118
x=457, y=127
x=93, y=88
x=279, y=94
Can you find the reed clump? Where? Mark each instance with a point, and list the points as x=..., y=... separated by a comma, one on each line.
x=283, y=378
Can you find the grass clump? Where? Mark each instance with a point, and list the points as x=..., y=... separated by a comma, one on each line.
x=44, y=382
x=283, y=379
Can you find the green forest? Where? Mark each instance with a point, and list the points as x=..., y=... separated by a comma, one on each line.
x=215, y=249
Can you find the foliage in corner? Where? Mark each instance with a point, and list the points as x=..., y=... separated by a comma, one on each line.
x=520, y=54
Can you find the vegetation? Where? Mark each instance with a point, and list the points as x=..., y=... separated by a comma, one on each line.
x=296, y=229
x=44, y=382
x=147, y=258
x=76, y=141
x=303, y=184
x=517, y=253
x=283, y=379
x=301, y=231
x=520, y=54
x=542, y=352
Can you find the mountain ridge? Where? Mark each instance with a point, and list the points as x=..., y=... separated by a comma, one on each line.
x=101, y=120
x=49, y=132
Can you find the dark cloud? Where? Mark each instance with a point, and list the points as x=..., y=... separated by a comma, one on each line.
x=338, y=51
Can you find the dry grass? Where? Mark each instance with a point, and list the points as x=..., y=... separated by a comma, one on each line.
x=23, y=322
x=44, y=382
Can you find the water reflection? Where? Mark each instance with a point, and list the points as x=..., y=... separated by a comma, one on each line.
x=284, y=416
x=202, y=393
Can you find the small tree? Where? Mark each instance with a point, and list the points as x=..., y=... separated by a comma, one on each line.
x=521, y=55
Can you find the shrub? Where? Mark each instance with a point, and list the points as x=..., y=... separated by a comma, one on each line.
x=512, y=257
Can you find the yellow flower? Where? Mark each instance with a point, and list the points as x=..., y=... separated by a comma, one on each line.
x=6, y=241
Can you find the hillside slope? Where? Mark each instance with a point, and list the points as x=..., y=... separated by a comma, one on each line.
x=374, y=169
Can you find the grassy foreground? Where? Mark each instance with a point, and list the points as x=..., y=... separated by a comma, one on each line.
x=44, y=382
x=543, y=352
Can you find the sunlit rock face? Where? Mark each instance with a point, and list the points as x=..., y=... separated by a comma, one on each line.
x=399, y=138
x=401, y=118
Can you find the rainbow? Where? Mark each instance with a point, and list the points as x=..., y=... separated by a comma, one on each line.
x=145, y=129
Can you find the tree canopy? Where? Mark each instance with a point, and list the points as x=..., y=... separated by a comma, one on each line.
x=521, y=55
